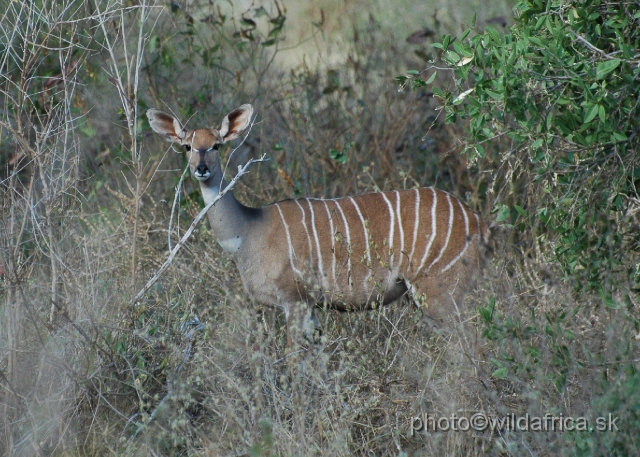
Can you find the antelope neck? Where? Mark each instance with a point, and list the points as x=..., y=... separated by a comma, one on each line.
x=229, y=219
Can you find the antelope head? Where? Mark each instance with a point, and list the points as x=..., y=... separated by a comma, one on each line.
x=203, y=144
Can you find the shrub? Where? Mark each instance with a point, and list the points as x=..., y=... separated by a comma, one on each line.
x=552, y=104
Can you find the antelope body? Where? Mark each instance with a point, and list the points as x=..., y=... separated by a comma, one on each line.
x=350, y=253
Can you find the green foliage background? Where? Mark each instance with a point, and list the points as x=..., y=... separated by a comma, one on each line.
x=561, y=87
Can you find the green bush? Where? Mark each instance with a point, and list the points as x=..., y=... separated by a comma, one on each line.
x=552, y=104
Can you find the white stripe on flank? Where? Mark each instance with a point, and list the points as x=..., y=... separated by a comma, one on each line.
x=346, y=226
x=315, y=235
x=446, y=241
x=391, y=229
x=366, y=242
x=291, y=253
x=306, y=230
x=433, y=230
x=466, y=219
x=333, y=246
x=478, y=225
x=483, y=236
x=401, y=229
x=416, y=223
x=466, y=239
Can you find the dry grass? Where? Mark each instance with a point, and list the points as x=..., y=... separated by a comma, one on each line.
x=196, y=368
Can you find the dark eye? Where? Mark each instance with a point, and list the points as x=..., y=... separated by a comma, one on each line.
x=187, y=147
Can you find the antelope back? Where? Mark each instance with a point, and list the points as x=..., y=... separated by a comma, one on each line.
x=354, y=252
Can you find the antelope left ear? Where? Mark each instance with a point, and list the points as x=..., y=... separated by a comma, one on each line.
x=236, y=122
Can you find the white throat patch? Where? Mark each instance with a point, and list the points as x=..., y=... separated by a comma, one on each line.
x=209, y=194
x=231, y=244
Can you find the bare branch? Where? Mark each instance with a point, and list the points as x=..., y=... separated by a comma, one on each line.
x=242, y=170
x=592, y=47
x=174, y=207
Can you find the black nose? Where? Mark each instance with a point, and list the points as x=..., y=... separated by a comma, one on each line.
x=202, y=169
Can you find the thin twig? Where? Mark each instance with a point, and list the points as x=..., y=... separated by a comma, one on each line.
x=176, y=198
x=592, y=47
x=242, y=170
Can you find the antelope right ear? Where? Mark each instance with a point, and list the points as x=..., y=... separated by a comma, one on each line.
x=236, y=122
x=167, y=126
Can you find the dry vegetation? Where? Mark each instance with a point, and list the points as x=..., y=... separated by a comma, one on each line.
x=195, y=367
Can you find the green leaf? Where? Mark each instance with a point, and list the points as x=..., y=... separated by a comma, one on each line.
x=485, y=314
x=503, y=213
x=601, y=113
x=275, y=31
x=338, y=156
x=248, y=22
x=537, y=41
x=495, y=35
x=494, y=95
x=452, y=57
x=439, y=93
x=609, y=301
x=87, y=130
x=445, y=41
x=462, y=49
x=153, y=44
x=500, y=373
x=619, y=136
x=520, y=210
x=606, y=67
x=590, y=114
x=431, y=78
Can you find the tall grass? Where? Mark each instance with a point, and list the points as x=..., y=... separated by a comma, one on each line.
x=196, y=367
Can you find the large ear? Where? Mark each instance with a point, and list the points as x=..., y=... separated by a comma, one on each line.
x=165, y=125
x=236, y=122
